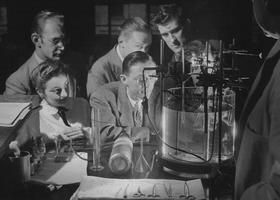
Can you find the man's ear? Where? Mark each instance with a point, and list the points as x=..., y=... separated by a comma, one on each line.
x=40, y=93
x=36, y=39
x=121, y=39
x=120, y=43
x=123, y=78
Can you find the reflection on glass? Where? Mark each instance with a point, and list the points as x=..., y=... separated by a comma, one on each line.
x=57, y=142
x=184, y=125
x=96, y=123
x=141, y=165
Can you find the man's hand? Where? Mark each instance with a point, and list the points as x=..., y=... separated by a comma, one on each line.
x=72, y=133
x=138, y=133
x=15, y=148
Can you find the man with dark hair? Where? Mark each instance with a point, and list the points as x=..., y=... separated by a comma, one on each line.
x=48, y=38
x=121, y=102
x=258, y=163
x=135, y=35
x=177, y=33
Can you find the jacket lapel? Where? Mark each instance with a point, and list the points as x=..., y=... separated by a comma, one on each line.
x=33, y=63
x=118, y=65
x=124, y=107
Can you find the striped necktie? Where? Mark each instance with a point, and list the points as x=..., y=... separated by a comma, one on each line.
x=137, y=115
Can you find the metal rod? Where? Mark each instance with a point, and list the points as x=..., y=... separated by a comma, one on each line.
x=207, y=54
x=233, y=54
x=183, y=82
x=161, y=86
x=161, y=61
x=205, y=94
x=177, y=131
x=220, y=93
x=181, y=117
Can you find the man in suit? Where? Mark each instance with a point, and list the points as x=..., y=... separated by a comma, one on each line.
x=135, y=35
x=48, y=38
x=258, y=163
x=119, y=102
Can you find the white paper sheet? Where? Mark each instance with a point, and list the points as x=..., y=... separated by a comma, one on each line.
x=92, y=187
x=62, y=173
x=12, y=112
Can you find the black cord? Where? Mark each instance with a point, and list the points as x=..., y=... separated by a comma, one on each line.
x=154, y=127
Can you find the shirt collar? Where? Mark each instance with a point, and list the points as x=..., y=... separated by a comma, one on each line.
x=133, y=102
x=47, y=108
x=119, y=53
x=39, y=60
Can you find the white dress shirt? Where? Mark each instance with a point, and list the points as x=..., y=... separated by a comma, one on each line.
x=51, y=124
x=119, y=53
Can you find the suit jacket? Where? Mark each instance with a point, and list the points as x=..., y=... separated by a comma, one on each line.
x=117, y=112
x=259, y=154
x=105, y=70
x=19, y=82
x=78, y=110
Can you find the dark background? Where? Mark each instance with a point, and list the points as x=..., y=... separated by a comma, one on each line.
x=212, y=19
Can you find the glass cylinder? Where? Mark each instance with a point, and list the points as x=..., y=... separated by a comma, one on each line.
x=96, y=143
x=190, y=132
x=120, y=158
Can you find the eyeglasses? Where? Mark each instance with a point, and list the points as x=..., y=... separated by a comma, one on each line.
x=55, y=41
x=141, y=81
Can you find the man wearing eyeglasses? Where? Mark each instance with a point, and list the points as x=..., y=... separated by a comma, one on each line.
x=121, y=102
x=48, y=38
x=135, y=35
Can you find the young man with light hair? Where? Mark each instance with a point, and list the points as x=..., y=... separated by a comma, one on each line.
x=135, y=35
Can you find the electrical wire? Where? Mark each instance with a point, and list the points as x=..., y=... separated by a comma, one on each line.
x=182, y=150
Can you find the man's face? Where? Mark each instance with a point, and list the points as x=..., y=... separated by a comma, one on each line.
x=135, y=82
x=52, y=40
x=172, y=34
x=138, y=41
x=56, y=91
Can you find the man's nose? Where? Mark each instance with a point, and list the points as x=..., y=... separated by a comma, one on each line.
x=171, y=37
x=143, y=49
x=61, y=45
x=63, y=93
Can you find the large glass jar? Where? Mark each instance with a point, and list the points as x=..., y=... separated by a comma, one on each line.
x=191, y=133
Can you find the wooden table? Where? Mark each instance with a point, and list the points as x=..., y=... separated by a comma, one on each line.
x=36, y=191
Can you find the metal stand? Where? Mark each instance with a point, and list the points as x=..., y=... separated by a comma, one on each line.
x=207, y=169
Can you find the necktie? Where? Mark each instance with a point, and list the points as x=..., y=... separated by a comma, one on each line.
x=137, y=115
x=61, y=113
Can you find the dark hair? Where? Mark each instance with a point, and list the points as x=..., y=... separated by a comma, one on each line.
x=166, y=13
x=47, y=70
x=134, y=24
x=40, y=19
x=134, y=58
